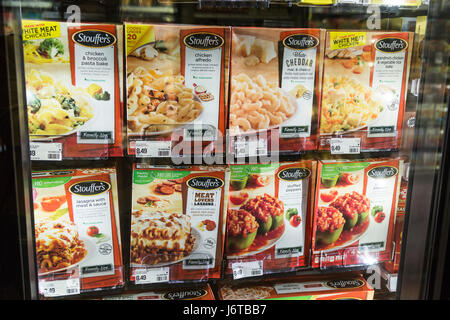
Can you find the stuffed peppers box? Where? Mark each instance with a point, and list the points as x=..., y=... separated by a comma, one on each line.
x=76, y=215
x=364, y=88
x=198, y=292
x=268, y=219
x=73, y=89
x=176, y=88
x=341, y=286
x=177, y=228
x=355, y=207
x=275, y=82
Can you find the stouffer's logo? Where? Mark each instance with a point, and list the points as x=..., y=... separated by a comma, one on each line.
x=345, y=283
x=300, y=41
x=184, y=295
x=205, y=183
x=294, y=174
x=203, y=41
x=382, y=172
x=89, y=188
x=391, y=45
x=94, y=38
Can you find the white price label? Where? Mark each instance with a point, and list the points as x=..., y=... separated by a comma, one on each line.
x=250, y=148
x=247, y=269
x=153, y=149
x=58, y=288
x=45, y=151
x=345, y=145
x=151, y=275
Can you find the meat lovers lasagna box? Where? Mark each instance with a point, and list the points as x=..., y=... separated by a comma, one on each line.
x=275, y=86
x=364, y=87
x=268, y=220
x=73, y=89
x=177, y=229
x=176, y=88
x=355, y=207
x=77, y=231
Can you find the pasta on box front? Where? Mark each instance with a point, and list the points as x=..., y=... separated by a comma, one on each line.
x=77, y=233
x=355, y=209
x=269, y=213
x=72, y=75
x=177, y=223
x=275, y=85
x=364, y=87
x=176, y=92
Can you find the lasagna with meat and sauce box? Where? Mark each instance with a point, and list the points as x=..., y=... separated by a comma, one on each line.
x=275, y=85
x=364, y=87
x=176, y=87
x=355, y=209
x=73, y=89
x=268, y=219
x=177, y=223
x=77, y=231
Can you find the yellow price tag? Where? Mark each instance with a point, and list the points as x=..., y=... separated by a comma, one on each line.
x=137, y=35
x=33, y=29
x=341, y=40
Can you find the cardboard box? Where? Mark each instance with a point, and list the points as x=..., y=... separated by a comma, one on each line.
x=177, y=223
x=76, y=214
x=72, y=75
x=269, y=217
x=355, y=207
x=343, y=286
x=364, y=87
x=275, y=82
x=176, y=88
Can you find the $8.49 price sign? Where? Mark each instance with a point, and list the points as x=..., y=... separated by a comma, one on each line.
x=345, y=145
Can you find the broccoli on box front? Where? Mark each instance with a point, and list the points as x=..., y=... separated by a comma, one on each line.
x=72, y=89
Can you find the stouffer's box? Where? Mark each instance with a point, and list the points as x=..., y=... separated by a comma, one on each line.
x=202, y=292
x=344, y=286
x=177, y=223
x=73, y=83
x=354, y=215
x=269, y=217
x=275, y=81
x=76, y=215
x=364, y=87
x=177, y=88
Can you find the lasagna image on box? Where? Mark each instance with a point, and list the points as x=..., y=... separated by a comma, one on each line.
x=73, y=95
x=175, y=85
x=177, y=222
x=355, y=209
x=77, y=236
x=268, y=218
x=364, y=86
x=275, y=84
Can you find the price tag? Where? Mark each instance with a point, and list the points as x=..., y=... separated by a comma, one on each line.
x=247, y=269
x=58, y=288
x=45, y=151
x=250, y=148
x=153, y=149
x=151, y=275
x=345, y=145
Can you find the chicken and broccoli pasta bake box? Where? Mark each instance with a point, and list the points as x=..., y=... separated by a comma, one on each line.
x=364, y=87
x=345, y=286
x=176, y=88
x=355, y=209
x=73, y=95
x=76, y=215
x=269, y=216
x=275, y=86
x=177, y=223
x=199, y=292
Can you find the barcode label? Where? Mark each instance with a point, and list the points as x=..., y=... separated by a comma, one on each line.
x=345, y=145
x=45, y=151
x=151, y=275
x=58, y=288
x=251, y=147
x=247, y=269
x=153, y=149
